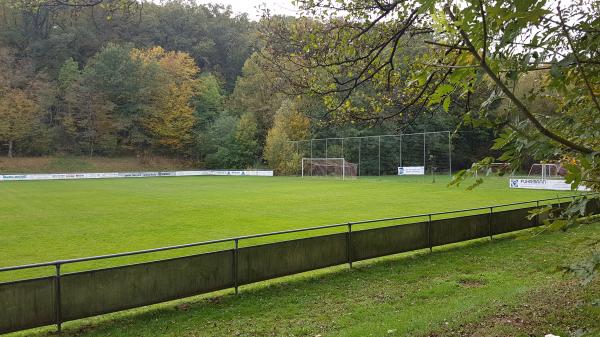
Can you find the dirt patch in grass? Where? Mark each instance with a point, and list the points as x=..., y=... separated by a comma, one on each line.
x=563, y=309
x=471, y=283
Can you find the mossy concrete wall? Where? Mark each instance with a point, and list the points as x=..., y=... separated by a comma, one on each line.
x=465, y=228
x=27, y=304
x=102, y=291
x=377, y=242
x=273, y=260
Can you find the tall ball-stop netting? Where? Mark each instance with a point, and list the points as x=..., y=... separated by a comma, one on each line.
x=381, y=155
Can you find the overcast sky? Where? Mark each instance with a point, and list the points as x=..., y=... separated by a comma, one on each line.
x=251, y=6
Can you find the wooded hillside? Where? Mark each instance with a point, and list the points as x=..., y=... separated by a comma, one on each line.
x=128, y=78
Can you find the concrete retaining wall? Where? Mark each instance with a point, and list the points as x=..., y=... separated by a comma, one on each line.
x=102, y=291
x=27, y=304
x=465, y=228
x=377, y=242
x=263, y=262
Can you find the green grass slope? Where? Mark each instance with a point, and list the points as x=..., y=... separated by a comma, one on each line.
x=506, y=287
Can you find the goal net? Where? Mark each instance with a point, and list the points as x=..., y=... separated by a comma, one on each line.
x=546, y=170
x=338, y=167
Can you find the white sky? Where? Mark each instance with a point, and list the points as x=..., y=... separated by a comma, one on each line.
x=251, y=6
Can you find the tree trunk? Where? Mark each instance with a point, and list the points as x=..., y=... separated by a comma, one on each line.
x=10, y=149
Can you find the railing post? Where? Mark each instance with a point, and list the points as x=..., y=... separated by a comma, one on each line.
x=429, y=234
x=349, y=244
x=235, y=265
x=490, y=223
x=57, y=302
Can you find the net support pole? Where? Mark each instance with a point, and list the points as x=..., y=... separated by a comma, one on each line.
x=400, y=150
x=326, y=161
x=450, y=153
x=424, y=152
x=311, y=156
x=343, y=169
x=379, y=155
x=359, y=147
x=302, y=167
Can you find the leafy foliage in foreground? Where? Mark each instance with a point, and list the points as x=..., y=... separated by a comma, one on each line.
x=528, y=69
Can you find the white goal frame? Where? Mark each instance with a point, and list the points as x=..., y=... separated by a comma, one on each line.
x=342, y=160
x=548, y=170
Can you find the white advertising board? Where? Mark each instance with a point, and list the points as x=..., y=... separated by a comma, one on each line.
x=411, y=170
x=542, y=184
x=255, y=173
x=107, y=175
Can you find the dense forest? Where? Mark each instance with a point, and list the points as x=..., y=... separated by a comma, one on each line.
x=175, y=79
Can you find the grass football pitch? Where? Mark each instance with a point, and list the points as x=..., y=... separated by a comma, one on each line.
x=50, y=220
x=493, y=288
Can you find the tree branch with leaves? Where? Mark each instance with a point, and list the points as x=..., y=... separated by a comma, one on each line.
x=374, y=60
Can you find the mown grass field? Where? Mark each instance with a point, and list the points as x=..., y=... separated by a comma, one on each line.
x=50, y=220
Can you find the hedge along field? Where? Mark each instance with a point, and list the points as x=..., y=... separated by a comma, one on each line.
x=51, y=220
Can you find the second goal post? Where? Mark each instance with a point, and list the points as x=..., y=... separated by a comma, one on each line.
x=337, y=167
